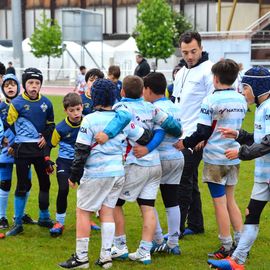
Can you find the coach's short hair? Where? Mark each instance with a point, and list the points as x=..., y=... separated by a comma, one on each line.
x=133, y=86
x=226, y=70
x=188, y=36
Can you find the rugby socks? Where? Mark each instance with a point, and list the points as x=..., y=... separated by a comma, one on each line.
x=237, y=236
x=82, y=248
x=120, y=241
x=248, y=236
x=226, y=242
x=3, y=203
x=61, y=218
x=44, y=214
x=107, y=235
x=158, y=237
x=19, y=204
x=145, y=247
x=173, y=219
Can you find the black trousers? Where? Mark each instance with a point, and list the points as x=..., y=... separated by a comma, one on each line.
x=23, y=183
x=189, y=195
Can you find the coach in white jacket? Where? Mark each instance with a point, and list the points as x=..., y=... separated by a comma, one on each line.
x=192, y=84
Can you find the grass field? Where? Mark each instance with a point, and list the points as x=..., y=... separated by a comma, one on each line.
x=35, y=249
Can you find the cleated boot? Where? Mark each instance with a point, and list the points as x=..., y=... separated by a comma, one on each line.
x=105, y=263
x=174, y=251
x=74, y=263
x=138, y=256
x=118, y=253
x=57, y=229
x=225, y=264
x=3, y=223
x=94, y=226
x=221, y=253
x=15, y=229
x=26, y=219
x=47, y=222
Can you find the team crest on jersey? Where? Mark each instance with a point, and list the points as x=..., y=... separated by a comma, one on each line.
x=26, y=107
x=44, y=107
x=86, y=105
x=68, y=135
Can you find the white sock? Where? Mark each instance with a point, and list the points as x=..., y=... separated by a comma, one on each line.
x=173, y=219
x=120, y=241
x=107, y=235
x=226, y=242
x=82, y=248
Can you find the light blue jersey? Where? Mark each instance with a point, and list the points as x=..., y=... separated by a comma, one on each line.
x=223, y=108
x=147, y=116
x=105, y=160
x=261, y=129
x=166, y=149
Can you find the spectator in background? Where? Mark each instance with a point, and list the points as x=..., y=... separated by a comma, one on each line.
x=114, y=74
x=81, y=85
x=10, y=69
x=2, y=73
x=143, y=67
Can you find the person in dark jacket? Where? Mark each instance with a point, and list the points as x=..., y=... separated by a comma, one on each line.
x=143, y=67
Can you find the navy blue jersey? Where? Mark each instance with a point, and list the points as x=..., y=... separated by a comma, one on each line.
x=65, y=134
x=87, y=104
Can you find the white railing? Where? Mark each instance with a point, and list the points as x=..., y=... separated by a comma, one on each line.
x=254, y=26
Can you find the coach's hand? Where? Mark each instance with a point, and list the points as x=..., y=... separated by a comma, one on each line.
x=228, y=133
x=101, y=137
x=199, y=146
x=179, y=145
x=140, y=151
x=231, y=153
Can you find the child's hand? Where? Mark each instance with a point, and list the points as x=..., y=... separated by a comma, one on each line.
x=140, y=151
x=42, y=142
x=5, y=142
x=11, y=151
x=101, y=137
x=71, y=184
x=231, y=153
x=228, y=133
x=179, y=145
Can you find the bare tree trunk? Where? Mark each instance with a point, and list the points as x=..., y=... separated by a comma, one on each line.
x=48, y=67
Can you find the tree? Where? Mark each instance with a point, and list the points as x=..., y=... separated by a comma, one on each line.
x=154, y=32
x=46, y=40
x=181, y=25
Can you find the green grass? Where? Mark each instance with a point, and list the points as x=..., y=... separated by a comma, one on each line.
x=35, y=249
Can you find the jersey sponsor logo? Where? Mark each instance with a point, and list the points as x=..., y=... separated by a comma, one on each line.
x=231, y=110
x=44, y=107
x=205, y=111
x=132, y=125
x=26, y=107
x=120, y=106
x=83, y=130
x=267, y=117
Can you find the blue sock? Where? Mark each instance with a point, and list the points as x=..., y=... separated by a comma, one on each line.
x=3, y=203
x=26, y=198
x=44, y=214
x=19, y=204
x=61, y=218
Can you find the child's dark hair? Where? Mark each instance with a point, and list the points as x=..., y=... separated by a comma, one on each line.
x=226, y=70
x=82, y=68
x=115, y=71
x=94, y=72
x=71, y=100
x=188, y=36
x=2, y=69
x=156, y=81
x=133, y=86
